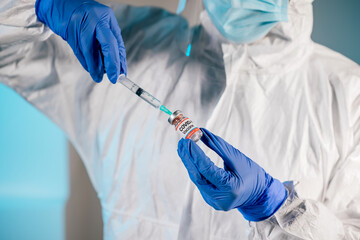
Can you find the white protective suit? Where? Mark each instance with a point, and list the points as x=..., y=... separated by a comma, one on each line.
x=289, y=104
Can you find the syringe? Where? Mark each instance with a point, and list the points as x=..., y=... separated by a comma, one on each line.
x=144, y=95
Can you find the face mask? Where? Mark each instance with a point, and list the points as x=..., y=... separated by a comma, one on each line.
x=245, y=21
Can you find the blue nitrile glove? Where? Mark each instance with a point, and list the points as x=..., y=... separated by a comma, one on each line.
x=91, y=30
x=242, y=184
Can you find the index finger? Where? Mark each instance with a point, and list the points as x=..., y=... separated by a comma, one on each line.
x=225, y=150
x=122, y=52
x=215, y=175
x=110, y=50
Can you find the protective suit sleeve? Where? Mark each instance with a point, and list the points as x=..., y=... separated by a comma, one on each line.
x=19, y=25
x=337, y=214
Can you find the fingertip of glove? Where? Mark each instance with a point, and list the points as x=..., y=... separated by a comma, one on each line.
x=123, y=68
x=181, y=144
x=123, y=71
x=188, y=143
x=113, y=77
x=184, y=145
x=205, y=134
x=194, y=150
x=97, y=79
x=113, y=81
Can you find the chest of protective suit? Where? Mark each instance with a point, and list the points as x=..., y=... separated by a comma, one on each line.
x=278, y=120
x=281, y=123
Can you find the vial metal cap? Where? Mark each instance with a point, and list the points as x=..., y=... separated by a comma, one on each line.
x=174, y=115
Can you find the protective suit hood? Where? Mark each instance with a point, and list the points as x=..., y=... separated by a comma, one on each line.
x=280, y=48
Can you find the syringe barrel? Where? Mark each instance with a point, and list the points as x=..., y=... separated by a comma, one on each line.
x=128, y=83
x=147, y=97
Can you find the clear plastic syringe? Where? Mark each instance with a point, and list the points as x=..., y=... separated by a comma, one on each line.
x=144, y=95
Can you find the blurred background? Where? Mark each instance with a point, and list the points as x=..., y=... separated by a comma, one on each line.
x=45, y=192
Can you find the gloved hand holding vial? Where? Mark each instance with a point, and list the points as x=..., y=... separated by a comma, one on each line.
x=222, y=188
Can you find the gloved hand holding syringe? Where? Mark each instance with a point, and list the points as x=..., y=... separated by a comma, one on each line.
x=182, y=124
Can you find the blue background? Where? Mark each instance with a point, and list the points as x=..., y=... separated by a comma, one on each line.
x=336, y=25
x=34, y=162
x=33, y=172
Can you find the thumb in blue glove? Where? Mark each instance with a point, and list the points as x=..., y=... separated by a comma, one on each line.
x=91, y=29
x=242, y=184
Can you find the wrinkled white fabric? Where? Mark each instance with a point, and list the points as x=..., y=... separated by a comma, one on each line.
x=289, y=104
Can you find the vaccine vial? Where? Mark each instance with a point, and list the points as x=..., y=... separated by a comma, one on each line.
x=185, y=126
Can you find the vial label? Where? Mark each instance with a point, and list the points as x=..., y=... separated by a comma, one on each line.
x=187, y=128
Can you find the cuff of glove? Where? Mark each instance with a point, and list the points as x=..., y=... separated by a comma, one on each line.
x=266, y=205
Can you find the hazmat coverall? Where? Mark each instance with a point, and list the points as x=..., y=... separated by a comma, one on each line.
x=288, y=103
